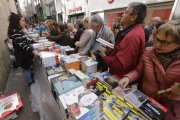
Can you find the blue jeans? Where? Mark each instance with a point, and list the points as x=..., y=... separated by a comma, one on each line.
x=28, y=76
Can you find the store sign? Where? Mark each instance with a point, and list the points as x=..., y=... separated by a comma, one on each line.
x=110, y=1
x=75, y=10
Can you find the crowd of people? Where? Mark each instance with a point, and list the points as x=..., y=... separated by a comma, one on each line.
x=149, y=56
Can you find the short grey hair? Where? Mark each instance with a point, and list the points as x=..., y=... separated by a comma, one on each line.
x=139, y=9
x=96, y=20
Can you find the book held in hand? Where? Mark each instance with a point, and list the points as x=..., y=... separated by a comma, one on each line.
x=110, y=45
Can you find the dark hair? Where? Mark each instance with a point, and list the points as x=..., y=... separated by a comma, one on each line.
x=157, y=25
x=14, y=20
x=139, y=9
x=79, y=24
x=62, y=27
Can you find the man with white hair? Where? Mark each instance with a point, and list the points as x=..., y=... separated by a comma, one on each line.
x=100, y=31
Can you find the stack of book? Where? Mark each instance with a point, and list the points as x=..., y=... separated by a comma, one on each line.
x=77, y=56
x=82, y=77
x=37, y=45
x=63, y=48
x=148, y=108
x=116, y=109
x=111, y=82
x=48, y=43
x=65, y=84
x=43, y=40
x=70, y=63
x=89, y=66
x=69, y=51
x=53, y=70
x=49, y=58
x=80, y=104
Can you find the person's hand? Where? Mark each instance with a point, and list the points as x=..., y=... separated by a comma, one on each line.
x=124, y=82
x=176, y=89
x=102, y=51
x=35, y=52
x=81, y=53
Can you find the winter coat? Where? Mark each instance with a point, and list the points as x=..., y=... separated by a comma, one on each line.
x=86, y=36
x=23, y=51
x=149, y=67
x=127, y=52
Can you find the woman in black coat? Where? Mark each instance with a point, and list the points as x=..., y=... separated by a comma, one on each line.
x=21, y=42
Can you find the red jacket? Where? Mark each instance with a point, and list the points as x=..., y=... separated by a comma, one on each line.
x=166, y=78
x=126, y=53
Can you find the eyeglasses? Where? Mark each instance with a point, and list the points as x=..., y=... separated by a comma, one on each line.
x=162, y=42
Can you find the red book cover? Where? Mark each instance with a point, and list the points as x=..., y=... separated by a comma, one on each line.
x=9, y=103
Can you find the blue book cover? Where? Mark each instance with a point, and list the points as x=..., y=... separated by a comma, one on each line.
x=67, y=85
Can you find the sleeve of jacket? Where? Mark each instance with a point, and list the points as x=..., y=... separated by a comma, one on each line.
x=89, y=44
x=137, y=72
x=86, y=36
x=22, y=41
x=53, y=38
x=127, y=51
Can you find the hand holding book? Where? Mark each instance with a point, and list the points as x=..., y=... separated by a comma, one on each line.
x=124, y=82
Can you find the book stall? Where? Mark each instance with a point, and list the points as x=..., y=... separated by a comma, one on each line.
x=71, y=88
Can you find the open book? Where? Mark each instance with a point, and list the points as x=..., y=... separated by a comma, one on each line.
x=105, y=43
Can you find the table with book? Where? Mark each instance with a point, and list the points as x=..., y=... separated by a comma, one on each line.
x=78, y=91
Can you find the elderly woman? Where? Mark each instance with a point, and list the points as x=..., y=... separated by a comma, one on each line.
x=160, y=68
x=86, y=36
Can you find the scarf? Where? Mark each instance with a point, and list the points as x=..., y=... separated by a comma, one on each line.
x=122, y=34
x=167, y=58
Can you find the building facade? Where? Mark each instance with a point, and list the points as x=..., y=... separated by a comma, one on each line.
x=6, y=6
x=76, y=10
x=112, y=10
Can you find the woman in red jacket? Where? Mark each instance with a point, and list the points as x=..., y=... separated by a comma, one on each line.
x=160, y=67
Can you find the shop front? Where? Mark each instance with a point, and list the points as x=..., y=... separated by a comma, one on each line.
x=76, y=10
x=113, y=10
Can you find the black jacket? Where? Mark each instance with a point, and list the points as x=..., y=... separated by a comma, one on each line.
x=63, y=39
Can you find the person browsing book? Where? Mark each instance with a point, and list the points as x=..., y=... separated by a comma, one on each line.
x=129, y=43
x=159, y=68
x=100, y=31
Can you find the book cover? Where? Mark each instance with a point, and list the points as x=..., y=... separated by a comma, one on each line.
x=81, y=102
x=113, y=110
x=136, y=98
x=111, y=82
x=118, y=91
x=53, y=70
x=63, y=86
x=108, y=44
x=9, y=103
x=152, y=109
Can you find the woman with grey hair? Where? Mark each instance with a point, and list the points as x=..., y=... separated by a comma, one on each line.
x=129, y=43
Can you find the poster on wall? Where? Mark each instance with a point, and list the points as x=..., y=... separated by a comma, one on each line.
x=175, y=11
